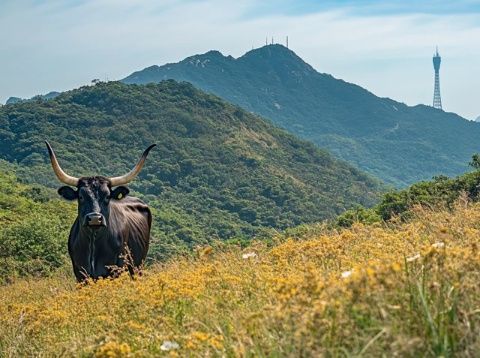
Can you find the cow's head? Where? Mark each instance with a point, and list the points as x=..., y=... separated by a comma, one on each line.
x=94, y=194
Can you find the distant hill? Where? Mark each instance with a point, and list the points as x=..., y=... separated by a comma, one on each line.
x=217, y=172
x=49, y=95
x=14, y=100
x=395, y=142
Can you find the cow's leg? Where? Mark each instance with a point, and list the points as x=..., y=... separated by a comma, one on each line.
x=80, y=274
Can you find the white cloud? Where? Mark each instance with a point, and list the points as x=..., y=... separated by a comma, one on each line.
x=57, y=45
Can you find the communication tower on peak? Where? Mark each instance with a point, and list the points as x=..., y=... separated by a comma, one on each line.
x=437, y=100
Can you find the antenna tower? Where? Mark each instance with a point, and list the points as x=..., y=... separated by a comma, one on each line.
x=437, y=100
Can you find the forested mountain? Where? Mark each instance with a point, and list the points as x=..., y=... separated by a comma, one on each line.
x=395, y=142
x=217, y=171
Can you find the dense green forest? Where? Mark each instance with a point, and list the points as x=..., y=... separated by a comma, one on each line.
x=217, y=172
x=394, y=142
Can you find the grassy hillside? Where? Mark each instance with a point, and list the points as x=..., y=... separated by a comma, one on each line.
x=394, y=142
x=217, y=172
x=396, y=290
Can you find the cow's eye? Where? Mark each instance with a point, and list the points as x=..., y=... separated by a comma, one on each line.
x=81, y=198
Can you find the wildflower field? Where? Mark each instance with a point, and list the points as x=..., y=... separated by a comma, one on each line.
x=398, y=289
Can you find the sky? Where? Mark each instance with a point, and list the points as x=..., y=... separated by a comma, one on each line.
x=384, y=46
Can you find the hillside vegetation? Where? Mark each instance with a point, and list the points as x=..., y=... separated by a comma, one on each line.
x=34, y=226
x=406, y=289
x=394, y=142
x=217, y=171
x=440, y=191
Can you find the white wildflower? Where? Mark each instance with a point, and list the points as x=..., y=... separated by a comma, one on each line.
x=438, y=245
x=346, y=274
x=248, y=255
x=413, y=258
x=169, y=345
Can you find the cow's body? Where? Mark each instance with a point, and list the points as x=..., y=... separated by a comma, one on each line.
x=124, y=240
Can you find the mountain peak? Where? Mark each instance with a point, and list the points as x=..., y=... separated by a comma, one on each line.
x=276, y=56
x=212, y=54
x=274, y=50
x=271, y=49
x=205, y=59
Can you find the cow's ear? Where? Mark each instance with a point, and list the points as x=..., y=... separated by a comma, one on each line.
x=120, y=192
x=68, y=193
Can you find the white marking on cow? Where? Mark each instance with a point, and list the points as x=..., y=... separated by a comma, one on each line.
x=92, y=253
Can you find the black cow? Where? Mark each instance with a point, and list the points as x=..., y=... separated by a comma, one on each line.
x=112, y=229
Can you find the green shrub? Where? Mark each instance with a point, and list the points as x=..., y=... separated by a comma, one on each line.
x=360, y=214
x=37, y=246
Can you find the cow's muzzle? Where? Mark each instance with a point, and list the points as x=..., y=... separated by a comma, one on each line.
x=95, y=220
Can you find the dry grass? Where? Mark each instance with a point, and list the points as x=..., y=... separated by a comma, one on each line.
x=403, y=290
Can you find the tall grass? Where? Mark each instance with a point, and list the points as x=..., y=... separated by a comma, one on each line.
x=406, y=289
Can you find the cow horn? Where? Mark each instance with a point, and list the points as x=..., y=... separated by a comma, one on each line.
x=61, y=175
x=124, y=179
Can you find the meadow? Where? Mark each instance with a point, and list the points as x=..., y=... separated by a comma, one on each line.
x=383, y=289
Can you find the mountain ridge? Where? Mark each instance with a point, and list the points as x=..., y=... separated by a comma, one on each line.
x=400, y=144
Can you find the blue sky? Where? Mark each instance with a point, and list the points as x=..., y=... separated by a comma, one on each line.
x=367, y=7
x=384, y=46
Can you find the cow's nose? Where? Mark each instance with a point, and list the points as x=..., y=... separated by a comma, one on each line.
x=95, y=219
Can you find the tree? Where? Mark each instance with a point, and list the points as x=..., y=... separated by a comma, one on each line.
x=475, y=163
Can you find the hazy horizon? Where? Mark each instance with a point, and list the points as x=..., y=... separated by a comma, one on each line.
x=385, y=47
